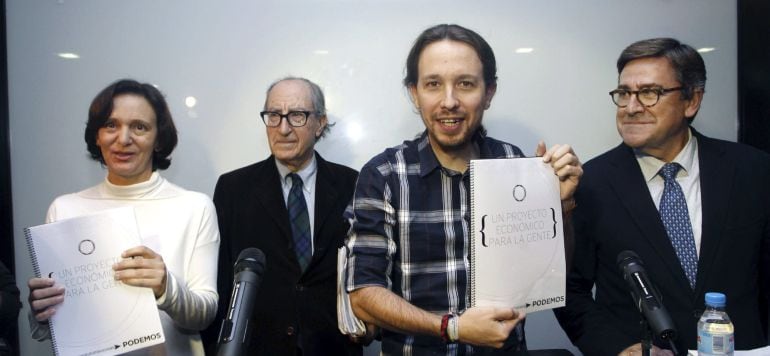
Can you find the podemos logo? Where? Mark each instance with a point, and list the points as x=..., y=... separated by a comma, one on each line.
x=141, y=340
x=546, y=301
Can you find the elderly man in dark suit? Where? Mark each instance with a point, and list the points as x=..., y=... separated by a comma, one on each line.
x=695, y=209
x=289, y=206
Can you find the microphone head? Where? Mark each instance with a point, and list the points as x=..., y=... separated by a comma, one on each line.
x=251, y=259
x=627, y=257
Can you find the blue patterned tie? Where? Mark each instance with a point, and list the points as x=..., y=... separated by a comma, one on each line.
x=673, y=212
x=300, y=223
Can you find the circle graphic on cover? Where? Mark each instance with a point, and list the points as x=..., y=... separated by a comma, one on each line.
x=86, y=247
x=519, y=192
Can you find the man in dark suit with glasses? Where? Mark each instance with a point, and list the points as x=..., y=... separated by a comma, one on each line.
x=289, y=206
x=695, y=209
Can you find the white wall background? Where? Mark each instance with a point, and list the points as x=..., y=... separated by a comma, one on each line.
x=225, y=53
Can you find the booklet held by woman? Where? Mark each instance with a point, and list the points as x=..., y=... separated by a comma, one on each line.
x=517, y=242
x=99, y=315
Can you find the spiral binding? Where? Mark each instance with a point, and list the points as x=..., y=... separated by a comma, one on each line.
x=472, y=273
x=36, y=268
x=31, y=248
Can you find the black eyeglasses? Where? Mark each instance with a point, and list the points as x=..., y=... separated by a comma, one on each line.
x=294, y=118
x=646, y=96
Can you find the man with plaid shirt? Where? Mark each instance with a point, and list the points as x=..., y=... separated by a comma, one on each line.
x=410, y=222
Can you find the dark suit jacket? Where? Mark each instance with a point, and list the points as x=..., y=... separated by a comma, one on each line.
x=9, y=302
x=252, y=213
x=615, y=213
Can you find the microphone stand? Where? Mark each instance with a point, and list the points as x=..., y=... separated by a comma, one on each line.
x=646, y=336
x=647, y=339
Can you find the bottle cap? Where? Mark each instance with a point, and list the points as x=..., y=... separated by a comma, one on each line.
x=715, y=299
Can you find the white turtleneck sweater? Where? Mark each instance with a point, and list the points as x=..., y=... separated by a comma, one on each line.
x=181, y=226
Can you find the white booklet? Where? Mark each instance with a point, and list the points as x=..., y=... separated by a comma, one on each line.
x=99, y=315
x=347, y=321
x=517, y=242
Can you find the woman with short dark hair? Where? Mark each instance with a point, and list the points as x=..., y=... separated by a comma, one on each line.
x=131, y=132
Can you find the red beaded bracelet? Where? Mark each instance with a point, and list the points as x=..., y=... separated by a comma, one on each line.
x=444, y=323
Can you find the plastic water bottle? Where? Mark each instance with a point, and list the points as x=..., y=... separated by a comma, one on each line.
x=715, y=330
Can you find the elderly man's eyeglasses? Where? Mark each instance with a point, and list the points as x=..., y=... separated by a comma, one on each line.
x=646, y=96
x=295, y=118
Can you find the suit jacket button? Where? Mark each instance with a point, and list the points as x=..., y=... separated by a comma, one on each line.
x=290, y=331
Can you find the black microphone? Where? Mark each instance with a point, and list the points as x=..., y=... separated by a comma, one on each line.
x=248, y=275
x=646, y=296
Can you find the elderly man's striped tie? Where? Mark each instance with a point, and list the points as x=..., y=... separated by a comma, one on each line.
x=300, y=223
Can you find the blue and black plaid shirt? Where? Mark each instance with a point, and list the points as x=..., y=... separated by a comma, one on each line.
x=410, y=227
